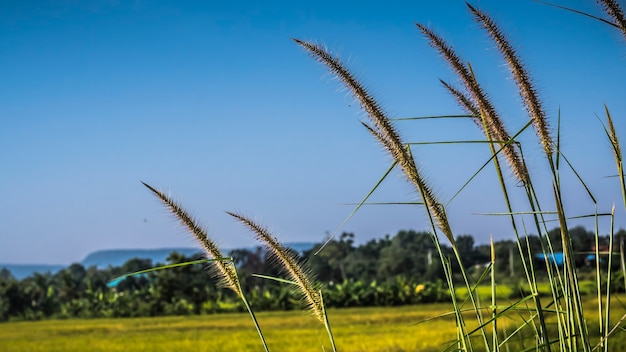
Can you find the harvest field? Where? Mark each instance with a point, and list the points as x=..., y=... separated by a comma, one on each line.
x=358, y=329
x=363, y=329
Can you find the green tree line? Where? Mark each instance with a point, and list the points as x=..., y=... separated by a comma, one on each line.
x=388, y=271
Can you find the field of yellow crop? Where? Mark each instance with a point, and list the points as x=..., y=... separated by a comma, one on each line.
x=363, y=329
x=358, y=329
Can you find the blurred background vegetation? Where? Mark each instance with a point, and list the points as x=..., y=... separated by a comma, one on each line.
x=390, y=271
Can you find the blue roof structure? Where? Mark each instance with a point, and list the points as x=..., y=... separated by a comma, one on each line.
x=557, y=258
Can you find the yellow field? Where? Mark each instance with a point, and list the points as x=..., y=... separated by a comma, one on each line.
x=359, y=329
x=364, y=329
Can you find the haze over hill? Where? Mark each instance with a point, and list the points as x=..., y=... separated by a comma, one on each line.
x=117, y=257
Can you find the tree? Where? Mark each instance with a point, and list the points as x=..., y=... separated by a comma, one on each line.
x=182, y=290
x=362, y=263
x=329, y=265
x=406, y=255
x=70, y=282
x=136, y=282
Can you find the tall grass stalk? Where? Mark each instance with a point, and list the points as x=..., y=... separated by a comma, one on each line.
x=384, y=131
x=601, y=326
x=478, y=103
x=617, y=152
x=532, y=103
x=494, y=310
x=608, y=283
x=537, y=115
x=225, y=271
x=310, y=292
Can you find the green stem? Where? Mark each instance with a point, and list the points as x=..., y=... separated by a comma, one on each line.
x=327, y=324
x=249, y=309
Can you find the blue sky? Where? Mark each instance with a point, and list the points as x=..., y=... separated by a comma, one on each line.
x=212, y=101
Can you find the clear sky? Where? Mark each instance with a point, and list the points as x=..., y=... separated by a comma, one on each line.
x=212, y=101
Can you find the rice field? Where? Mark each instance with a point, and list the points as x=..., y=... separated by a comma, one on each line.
x=362, y=329
x=357, y=329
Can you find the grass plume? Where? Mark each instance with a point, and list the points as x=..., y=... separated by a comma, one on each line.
x=464, y=101
x=225, y=270
x=385, y=132
x=478, y=103
x=613, y=9
x=617, y=152
x=294, y=270
x=532, y=103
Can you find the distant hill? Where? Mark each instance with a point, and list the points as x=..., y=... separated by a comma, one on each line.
x=117, y=257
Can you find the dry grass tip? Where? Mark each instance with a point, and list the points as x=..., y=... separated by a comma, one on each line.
x=613, y=9
x=477, y=103
x=529, y=96
x=225, y=270
x=384, y=131
x=306, y=287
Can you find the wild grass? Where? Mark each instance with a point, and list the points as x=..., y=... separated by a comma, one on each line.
x=311, y=292
x=224, y=268
x=554, y=317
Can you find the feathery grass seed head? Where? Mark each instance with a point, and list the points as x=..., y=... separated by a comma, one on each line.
x=376, y=114
x=478, y=103
x=224, y=270
x=617, y=152
x=529, y=95
x=465, y=102
x=293, y=269
x=613, y=9
x=383, y=130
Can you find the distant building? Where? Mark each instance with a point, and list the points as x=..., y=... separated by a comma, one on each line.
x=557, y=258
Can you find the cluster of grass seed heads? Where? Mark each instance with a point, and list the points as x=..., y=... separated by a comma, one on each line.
x=528, y=93
x=384, y=131
x=477, y=103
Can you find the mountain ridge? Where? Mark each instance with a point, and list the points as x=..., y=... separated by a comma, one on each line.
x=104, y=258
